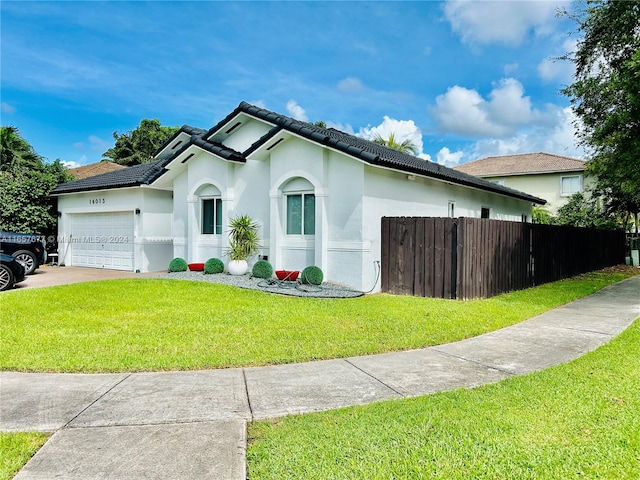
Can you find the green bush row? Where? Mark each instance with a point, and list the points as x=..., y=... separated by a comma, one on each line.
x=311, y=275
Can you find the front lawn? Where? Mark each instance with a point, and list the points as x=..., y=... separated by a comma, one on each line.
x=160, y=324
x=16, y=449
x=577, y=420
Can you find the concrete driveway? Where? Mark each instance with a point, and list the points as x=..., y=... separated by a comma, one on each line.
x=48, y=276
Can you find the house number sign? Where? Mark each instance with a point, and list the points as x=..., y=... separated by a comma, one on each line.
x=97, y=201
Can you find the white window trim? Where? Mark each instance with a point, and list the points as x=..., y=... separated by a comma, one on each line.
x=201, y=214
x=301, y=235
x=580, y=186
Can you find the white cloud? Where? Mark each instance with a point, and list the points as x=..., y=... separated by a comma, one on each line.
x=448, y=158
x=463, y=111
x=401, y=129
x=95, y=144
x=347, y=128
x=350, y=85
x=296, y=111
x=70, y=163
x=506, y=22
x=6, y=108
x=558, y=136
x=510, y=68
x=551, y=69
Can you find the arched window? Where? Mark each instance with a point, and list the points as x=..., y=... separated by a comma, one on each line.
x=300, y=206
x=210, y=210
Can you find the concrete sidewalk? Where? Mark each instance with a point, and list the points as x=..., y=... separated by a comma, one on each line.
x=192, y=425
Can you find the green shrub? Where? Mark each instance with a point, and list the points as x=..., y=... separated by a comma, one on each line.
x=213, y=265
x=262, y=269
x=178, y=265
x=312, y=275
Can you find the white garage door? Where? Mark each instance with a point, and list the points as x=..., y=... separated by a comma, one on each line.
x=102, y=240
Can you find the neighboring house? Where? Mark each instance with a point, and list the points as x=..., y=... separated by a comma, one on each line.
x=318, y=195
x=93, y=169
x=552, y=177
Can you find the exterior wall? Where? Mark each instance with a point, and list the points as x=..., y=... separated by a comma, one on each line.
x=242, y=138
x=152, y=227
x=546, y=186
x=154, y=242
x=388, y=193
x=293, y=159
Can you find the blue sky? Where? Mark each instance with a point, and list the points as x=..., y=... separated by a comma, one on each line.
x=463, y=80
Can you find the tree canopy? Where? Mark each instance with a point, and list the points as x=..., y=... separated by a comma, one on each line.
x=606, y=98
x=26, y=181
x=138, y=145
x=406, y=146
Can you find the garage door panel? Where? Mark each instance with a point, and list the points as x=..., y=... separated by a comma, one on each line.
x=103, y=240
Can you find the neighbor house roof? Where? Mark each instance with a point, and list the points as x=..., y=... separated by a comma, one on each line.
x=522, y=164
x=364, y=150
x=94, y=169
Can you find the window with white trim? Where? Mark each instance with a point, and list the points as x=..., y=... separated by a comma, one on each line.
x=301, y=214
x=485, y=212
x=570, y=185
x=211, y=222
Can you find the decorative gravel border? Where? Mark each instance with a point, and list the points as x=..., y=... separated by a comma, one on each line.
x=273, y=285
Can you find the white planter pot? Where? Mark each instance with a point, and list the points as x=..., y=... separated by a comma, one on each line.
x=238, y=267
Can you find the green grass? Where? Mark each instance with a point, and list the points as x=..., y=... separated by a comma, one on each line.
x=156, y=324
x=16, y=449
x=577, y=420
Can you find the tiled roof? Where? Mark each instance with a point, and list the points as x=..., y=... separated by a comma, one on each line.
x=367, y=151
x=523, y=164
x=94, y=169
x=126, y=177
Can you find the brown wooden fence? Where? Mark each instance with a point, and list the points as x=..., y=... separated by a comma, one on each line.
x=478, y=258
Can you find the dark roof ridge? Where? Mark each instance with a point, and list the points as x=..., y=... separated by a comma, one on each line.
x=375, y=154
x=188, y=129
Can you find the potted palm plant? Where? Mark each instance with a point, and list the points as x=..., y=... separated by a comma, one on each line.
x=243, y=243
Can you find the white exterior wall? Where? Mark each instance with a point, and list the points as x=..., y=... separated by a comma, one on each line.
x=351, y=198
x=152, y=241
x=243, y=137
x=296, y=158
x=391, y=194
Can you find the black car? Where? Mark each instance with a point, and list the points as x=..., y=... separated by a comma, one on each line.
x=11, y=272
x=27, y=248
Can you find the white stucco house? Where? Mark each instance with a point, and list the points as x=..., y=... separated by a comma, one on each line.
x=317, y=193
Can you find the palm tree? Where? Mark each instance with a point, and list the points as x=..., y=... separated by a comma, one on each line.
x=16, y=153
x=406, y=146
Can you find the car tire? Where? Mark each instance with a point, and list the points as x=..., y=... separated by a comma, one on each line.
x=6, y=278
x=28, y=259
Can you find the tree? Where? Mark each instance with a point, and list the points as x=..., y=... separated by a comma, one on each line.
x=406, y=146
x=582, y=211
x=25, y=184
x=138, y=145
x=542, y=216
x=606, y=98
